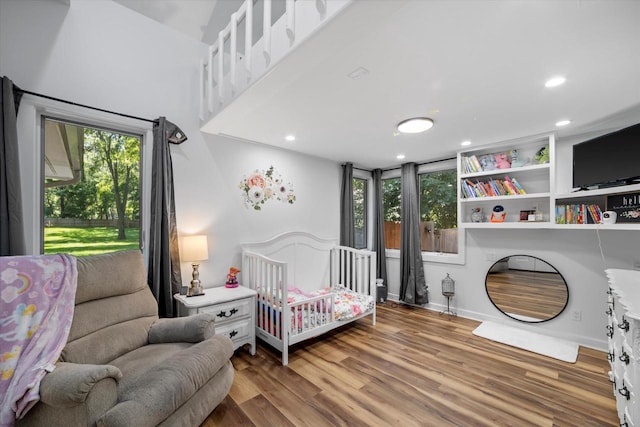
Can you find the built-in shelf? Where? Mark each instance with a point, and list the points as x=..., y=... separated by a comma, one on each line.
x=534, y=177
x=510, y=225
x=507, y=198
x=539, y=181
x=599, y=192
x=517, y=170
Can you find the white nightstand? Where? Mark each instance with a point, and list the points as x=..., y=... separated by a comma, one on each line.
x=234, y=308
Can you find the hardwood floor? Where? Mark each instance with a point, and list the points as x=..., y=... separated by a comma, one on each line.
x=415, y=368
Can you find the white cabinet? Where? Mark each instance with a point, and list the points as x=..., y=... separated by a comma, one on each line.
x=482, y=185
x=234, y=309
x=623, y=333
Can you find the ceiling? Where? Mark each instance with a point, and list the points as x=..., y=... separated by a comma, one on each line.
x=477, y=68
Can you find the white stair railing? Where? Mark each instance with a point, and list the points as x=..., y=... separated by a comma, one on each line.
x=223, y=77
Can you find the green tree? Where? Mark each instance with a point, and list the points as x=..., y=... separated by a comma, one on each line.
x=71, y=201
x=391, y=196
x=120, y=154
x=359, y=211
x=438, y=198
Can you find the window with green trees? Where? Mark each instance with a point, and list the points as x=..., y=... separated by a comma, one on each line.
x=91, y=197
x=438, y=211
x=360, y=212
x=391, y=197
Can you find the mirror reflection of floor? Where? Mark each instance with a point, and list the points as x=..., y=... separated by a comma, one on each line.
x=527, y=295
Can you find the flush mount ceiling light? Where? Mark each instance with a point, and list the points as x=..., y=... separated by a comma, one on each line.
x=415, y=125
x=400, y=156
x=290, y=138
x=555, y=81
x=563, y=123
x=465, y=143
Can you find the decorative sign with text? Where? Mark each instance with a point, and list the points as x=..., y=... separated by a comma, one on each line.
x=627, y=206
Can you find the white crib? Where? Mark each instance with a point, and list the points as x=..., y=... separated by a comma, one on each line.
x=289, y=269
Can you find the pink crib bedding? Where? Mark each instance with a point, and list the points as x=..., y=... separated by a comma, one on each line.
x=348, y=304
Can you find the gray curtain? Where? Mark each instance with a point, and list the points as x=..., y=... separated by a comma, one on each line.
x=11, y=224
x=347, y=226
x=378, y=234
x=413, y=288
x=164, y=257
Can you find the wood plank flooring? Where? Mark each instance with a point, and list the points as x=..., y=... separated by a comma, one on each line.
x=415, y=368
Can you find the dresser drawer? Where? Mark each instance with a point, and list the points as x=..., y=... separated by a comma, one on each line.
x=237, y=331
x=230, y=311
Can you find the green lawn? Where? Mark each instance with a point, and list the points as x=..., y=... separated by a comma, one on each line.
x=88, y=241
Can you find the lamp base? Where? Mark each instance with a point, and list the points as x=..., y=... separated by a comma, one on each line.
x=196, y=288
x=195, y=295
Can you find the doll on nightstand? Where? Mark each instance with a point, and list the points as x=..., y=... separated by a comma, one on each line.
x=232, y=281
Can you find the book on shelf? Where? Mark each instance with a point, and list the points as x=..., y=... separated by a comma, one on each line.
x=488, y=162
x=470, y=164
x=491, y=188
x=578, y=214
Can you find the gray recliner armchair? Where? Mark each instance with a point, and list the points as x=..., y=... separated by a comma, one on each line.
x=122, y=365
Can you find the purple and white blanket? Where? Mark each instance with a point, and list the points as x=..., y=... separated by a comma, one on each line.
x=37, y=296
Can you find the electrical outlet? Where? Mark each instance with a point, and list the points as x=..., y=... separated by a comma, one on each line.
x=576, y=315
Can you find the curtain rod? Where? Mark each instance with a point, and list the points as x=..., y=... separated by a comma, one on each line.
x=82, y=105
x=418, y=164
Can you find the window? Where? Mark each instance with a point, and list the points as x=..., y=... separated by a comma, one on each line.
x=360, y=212
x=391, y=196
x=91, y=196
x=438, y=212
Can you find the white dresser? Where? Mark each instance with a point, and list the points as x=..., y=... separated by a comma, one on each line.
x=623, y=332
x=234, y=308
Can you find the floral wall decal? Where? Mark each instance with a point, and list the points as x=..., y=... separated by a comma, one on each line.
x=260, y=187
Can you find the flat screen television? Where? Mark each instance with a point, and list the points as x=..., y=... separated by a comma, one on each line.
x=608, y=160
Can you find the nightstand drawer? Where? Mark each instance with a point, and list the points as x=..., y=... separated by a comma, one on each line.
x=236, y=331
x=229, y=311
x=234, y=311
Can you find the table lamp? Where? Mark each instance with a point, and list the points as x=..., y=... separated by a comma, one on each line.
x=194, y=249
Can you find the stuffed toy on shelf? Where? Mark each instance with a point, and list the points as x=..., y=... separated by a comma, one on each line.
x=498, y=214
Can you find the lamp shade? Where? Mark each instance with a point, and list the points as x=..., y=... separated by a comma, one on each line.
x=194, y=248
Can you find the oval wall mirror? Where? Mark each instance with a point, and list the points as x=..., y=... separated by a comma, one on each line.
x=527, y=288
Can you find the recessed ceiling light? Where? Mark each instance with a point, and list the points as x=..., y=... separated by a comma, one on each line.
x=400, y=156
x=415, y=125
x=465, y=143
x=563, y=123
x=555, y=81
x=290, y=138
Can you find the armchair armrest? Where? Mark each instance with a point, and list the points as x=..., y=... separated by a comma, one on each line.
x=69, y=384
x=191, y=329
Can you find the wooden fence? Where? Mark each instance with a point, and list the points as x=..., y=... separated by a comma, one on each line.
x=445, y=240
x=86, y=223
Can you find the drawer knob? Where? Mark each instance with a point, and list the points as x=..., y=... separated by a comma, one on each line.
x=624, y=325
x=624, y=357
x=609, y=311
x=610, y=331
x=223, y=313
x=624, y=391
x=233, y=334
x=611, y=356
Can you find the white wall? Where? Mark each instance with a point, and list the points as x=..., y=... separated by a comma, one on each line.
x=101, y=54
